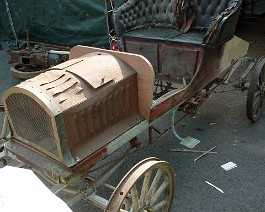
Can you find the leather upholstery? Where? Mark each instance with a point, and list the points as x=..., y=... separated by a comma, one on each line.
x=141, y=13
x=136, y=13
x=207, y=10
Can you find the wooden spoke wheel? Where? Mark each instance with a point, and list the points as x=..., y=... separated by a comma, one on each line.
x=147, y=187
x=256, y=92
x=161, y=87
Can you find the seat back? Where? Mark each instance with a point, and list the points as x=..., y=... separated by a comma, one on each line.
x=139, y=13
x=207, y=10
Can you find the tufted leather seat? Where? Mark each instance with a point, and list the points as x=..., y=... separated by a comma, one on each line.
x=214, y=22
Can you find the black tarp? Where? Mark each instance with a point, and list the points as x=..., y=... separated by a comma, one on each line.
x=60, y=22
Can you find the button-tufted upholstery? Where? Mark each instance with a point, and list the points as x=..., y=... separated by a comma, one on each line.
x=215, y=19
x=207, y=10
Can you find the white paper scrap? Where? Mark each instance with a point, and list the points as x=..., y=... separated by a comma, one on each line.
x=228, y=166
x=215, y=187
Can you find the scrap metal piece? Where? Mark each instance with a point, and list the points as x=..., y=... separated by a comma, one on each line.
x=205, y=153
x=187, y=141
x=190, y=151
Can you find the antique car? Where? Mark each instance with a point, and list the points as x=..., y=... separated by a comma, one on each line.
x=66, y=122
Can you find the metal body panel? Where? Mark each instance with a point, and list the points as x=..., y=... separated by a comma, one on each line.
x=170, y=60
x=206, y=71
x=54, y=107
x=147, y=49
x=144, y=69
x=92, y=124
x=178, y=62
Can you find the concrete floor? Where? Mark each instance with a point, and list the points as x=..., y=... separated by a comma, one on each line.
x=235, y=137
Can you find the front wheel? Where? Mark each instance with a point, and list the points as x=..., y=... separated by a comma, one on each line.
x=147, y=187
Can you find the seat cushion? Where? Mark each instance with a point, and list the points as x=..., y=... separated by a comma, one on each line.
x=167, y=34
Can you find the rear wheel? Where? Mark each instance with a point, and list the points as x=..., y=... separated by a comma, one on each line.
x=256, y=92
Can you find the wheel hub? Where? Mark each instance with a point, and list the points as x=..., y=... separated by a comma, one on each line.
x=147, y=209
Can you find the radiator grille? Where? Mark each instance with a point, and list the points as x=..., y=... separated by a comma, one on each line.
x=31, y=122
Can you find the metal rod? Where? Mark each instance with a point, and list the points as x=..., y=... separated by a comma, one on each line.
x=150, y=134
x=205, y=153
x=173, y=126
x=233, y=69
x=50, y=45
x=156, y=130
x=28, y=42
x=109, y=186
x=190, y=151
x=167, y=130
x=106, y=175
x=98, y=201
x=162, y=135
x=246, y=72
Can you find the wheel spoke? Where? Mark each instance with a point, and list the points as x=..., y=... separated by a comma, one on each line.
x=156, y=182
x=159, y=206
x=127, y=204
x=158, y=193
x=145, y=187
x=256, y=104
x=135, y=201
x=262, y=76
x=262, y=108
x=156, y=87
x=154, y=185
x=258, y=87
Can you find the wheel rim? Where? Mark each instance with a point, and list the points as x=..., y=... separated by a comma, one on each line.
x=256, y=92
x=147, y=187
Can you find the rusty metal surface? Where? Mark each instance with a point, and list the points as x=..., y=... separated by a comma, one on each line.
x=34, y=57
x=93, y=124
x=207, y=70
x=172, y=61
x=148, y=49
x=69, y=118
x=39, y=161
x=178, y=62
x=144, y=69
